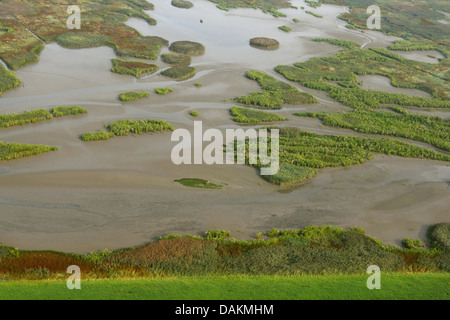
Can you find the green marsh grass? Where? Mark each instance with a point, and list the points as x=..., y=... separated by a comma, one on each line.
x=163, y=91
x=134, y=68
x=311, y=251
x=275, y=93
x=430, y=129
x=198, y=183
x=264, y=43
x=179, y=73
x=182, y=4
x=246, y=115
x=284, y=28
x=132, y=96
x=187, y=47
x=11, y=151
x=176, y=59
x=395, y=286
x=26, y=117
x=127, y=126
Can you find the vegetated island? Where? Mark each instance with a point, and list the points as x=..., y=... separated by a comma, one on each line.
x=313, y=14
x=179, y=73
x=132, y=96
x=126, y=126
x=275, y=93
x=198, y=183
x=176, y=59
x=264, y=43
x=284, y=28
x=187, y=47
x=337, y=42
x=247, y=115
x=163, y=91
x=26, y=117
x=133, y=68
x=183, y=4
x=306, y=149
x=338, y=76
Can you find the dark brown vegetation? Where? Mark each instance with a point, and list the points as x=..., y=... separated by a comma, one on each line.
x=264, y=43
x=187, y=47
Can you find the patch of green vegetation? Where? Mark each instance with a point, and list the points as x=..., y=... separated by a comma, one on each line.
x=413, y=45
x=312, y=250
x=187, y=47
x=97, y=136
x=134, y=68
x=341, y=43
x=439, y=237
x=344, y=67
x=429, y=129
x=18, y=46
x=193, y=113
x=295, y=20
x=396, y=286
x=67, y=111
x=198, y=183
x=103, y=24
x=397, y=109
x=306, y=149
x=176, y=59
x=179, y=72
x=275, y=94
x=264, y=43
x=313, y=4
x=290, y=174
x=216, y=234
x=18, y=119
x=132, y=96
x=314, y=14
x=11, y=151
x=126, y=126
x=163, y=91
x=198, y=84
x=8, y=80
x=182, y=4
x=246, y=115
x=26, y=117
x=267, y=6
x=284, y=28
x=82, y=40
x=405, y=18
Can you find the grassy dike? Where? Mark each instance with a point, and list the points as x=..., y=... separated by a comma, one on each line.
x=428, y=286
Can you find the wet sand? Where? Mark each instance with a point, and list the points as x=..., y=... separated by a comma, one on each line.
x=119, y=193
